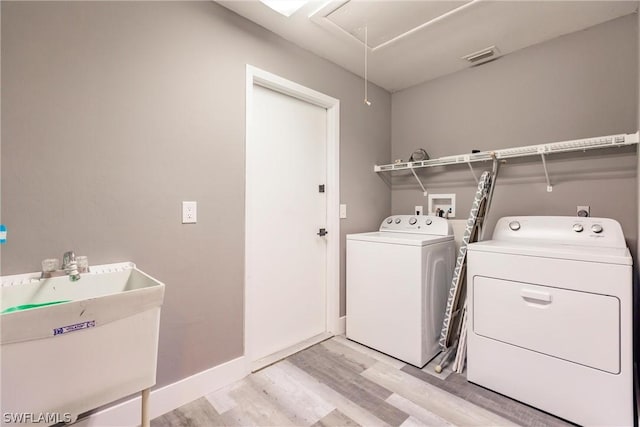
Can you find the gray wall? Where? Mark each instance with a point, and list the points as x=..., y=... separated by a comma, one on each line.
x=115, y=112
x=580, y=85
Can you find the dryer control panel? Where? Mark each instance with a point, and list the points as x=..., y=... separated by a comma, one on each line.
x=419, y=224
x=567, y=230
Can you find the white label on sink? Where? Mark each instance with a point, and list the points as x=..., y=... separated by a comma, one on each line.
x=74, y=327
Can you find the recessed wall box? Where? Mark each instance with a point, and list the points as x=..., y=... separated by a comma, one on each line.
x=445, y=203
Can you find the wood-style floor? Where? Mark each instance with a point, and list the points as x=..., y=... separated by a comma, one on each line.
x=341, y=383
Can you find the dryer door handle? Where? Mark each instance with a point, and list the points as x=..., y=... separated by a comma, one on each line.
x=537, y=296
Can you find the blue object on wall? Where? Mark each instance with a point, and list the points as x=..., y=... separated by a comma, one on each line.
x=3, y=234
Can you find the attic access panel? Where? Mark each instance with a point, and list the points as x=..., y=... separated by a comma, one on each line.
x=387, y=20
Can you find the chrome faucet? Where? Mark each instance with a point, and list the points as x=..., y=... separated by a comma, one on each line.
x=70, y=266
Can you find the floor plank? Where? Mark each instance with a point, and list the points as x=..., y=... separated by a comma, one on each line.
x=220, y=399
x=195, y=414
x=417, y=412
x=380, y=357
x=252, y=403
x=342, y=383
x=336, y=418
x=356, y=356
x=517, y=412
x=342, y=403
x=345, y=379
x=451, y=408
x=298, y=403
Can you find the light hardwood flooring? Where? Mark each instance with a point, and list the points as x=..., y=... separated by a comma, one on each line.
x=341, y=383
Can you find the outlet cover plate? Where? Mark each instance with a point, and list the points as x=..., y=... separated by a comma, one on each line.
x=189, y=212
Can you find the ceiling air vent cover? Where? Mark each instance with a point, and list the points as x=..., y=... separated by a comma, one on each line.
x=484, y=55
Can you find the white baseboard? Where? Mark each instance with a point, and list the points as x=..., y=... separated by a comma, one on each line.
x=342, y=325
x=170, y=397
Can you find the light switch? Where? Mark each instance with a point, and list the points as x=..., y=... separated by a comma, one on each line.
x=189, y=212
x=343, y=211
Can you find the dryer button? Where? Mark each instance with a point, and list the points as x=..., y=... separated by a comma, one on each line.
x=429, y=222
x=578, y=228
x=398, y=220
x=514, y=225
x=596, y=228
x=412, y=221
x=390, y=220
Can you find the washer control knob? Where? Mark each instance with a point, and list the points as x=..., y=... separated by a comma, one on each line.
x=398, y=220
x=412, y=221
x=390, y=220
x=429, y=222
x=514, y=225
x=578, y=228
x=596, y=228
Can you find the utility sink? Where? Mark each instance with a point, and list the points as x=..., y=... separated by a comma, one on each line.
x=83, y=344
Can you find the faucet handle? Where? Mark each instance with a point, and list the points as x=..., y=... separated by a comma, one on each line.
x=70, y=266
x=68, y=257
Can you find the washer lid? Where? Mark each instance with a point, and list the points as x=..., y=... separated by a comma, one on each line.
x=401, y=238
x=558, y=251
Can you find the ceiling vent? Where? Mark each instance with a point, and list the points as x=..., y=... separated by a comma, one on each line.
x=484, y=55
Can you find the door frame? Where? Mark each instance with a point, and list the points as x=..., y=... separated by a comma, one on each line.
x=257, y=76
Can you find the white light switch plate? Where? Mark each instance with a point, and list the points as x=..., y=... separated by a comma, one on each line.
x=189, y=212
x=343, y=211
x=418, y=210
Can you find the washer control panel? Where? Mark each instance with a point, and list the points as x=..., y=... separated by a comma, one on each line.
x=566, y=230
x=421, y=224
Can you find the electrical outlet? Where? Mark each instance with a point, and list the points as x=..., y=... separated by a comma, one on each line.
x=418, y=210
x=583, y=211
x=189, y=212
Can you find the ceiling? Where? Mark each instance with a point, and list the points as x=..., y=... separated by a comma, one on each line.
x=410, y=42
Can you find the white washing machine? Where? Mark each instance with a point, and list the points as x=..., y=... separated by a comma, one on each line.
x=397, y=284
x=550, y=317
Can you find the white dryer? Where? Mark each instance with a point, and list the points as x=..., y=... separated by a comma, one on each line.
x=397, y=284
x=549, y=304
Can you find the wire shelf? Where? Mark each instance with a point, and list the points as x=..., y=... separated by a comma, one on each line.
x=609, y=141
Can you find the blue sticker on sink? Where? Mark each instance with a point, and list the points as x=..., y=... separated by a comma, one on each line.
x=74, y=327
x=3, y=234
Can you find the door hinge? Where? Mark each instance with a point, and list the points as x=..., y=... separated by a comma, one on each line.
x=322, y=232
x=321, y=188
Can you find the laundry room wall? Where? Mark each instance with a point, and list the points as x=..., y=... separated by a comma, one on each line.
x=115, y=112
x=579, y=85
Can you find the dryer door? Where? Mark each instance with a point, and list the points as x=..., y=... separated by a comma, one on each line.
x=576, y=326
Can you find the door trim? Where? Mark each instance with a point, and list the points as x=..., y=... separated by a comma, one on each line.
x=257, y=76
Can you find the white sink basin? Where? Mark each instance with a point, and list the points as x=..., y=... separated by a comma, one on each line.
x=74, y=356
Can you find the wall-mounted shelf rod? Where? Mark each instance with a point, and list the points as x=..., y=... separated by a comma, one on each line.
x=530, y=150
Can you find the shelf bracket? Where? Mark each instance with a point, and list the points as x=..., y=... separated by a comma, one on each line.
x=468, y=161
x=424, y=192
x=546, y=172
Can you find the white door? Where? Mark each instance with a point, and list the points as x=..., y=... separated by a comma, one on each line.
x=286, y=258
